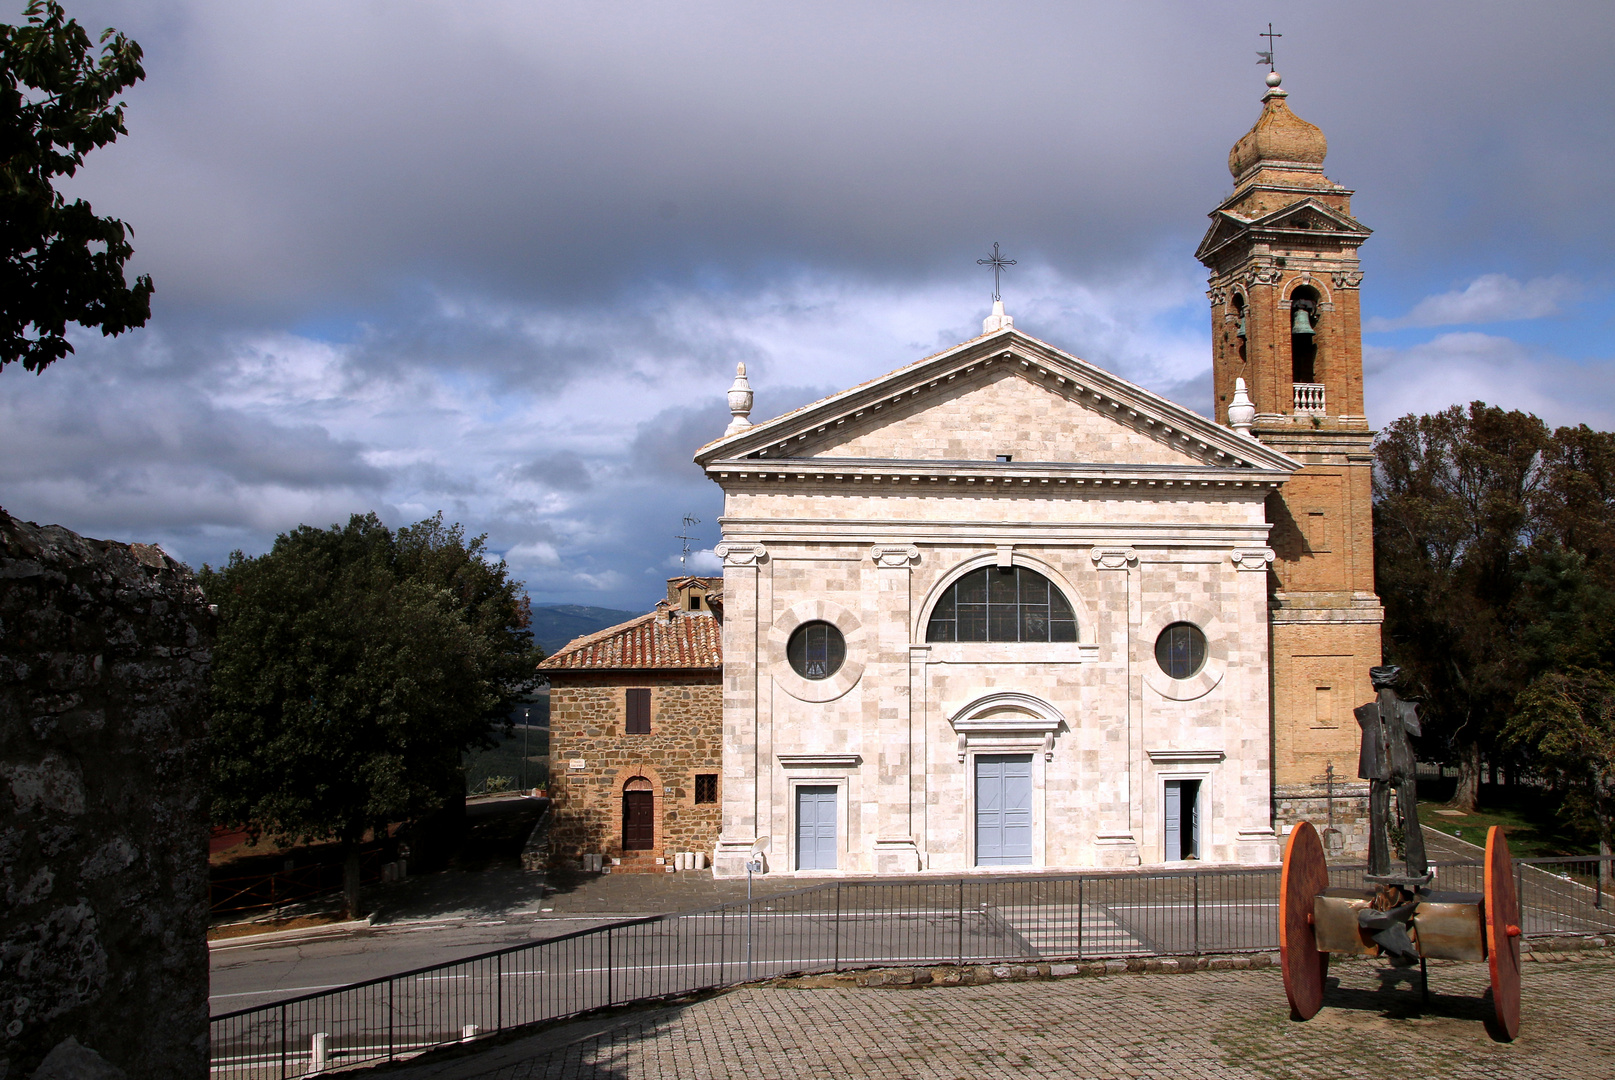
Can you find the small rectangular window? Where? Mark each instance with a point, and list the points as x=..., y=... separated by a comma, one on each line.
x=706, y=787
x=1323, y=707
x=1005, y=457
x=638, y=711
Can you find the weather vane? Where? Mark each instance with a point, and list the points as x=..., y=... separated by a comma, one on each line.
x=998, y=263
x=1267, y=57
x=689, y=520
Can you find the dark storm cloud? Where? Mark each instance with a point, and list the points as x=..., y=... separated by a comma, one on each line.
x=501, y=259
x=560, y=471
x=300, y=154
x=101, y=431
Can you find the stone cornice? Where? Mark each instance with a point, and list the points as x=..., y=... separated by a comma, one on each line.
x=1141, y=536
x=989, y=476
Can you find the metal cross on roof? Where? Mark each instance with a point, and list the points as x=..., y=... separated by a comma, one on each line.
x=1267, y=57
x=997, y=262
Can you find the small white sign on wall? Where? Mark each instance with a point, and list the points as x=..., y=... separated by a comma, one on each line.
x=575, y=764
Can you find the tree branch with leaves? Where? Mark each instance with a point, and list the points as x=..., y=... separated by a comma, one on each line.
x=59, y=262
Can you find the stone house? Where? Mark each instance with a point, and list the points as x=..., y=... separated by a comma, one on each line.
x=1002, y=608
x=636, y=741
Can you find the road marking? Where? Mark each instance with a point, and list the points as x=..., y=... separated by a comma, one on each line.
x=276, y=990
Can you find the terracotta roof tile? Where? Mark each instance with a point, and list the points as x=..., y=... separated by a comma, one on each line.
x=688, y=640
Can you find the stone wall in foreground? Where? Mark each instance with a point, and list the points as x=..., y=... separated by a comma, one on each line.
x=104, y=651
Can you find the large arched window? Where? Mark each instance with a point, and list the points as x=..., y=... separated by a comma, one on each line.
x=1002, y=604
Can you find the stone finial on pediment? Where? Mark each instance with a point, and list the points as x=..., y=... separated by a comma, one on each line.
x=1253, y=558
x=741, y=554
x=894, y=556
x=1113, y=558
x=740, y=399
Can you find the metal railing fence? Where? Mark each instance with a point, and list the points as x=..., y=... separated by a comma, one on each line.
x=829, y=927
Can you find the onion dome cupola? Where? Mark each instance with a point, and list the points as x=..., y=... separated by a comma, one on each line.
x=1279, y=137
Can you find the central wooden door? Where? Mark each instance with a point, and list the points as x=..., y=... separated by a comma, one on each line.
x=1003, y=809
x=638, y=819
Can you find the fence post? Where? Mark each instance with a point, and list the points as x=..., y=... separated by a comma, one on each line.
x=836, y=963
x=609, y=972
x=1079, y=918
x=499, y=992
x=1519, y=891
x=1197, y=913
x=961, y=922
x=392, y=1012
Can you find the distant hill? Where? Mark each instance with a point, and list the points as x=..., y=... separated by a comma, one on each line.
x=556, y=624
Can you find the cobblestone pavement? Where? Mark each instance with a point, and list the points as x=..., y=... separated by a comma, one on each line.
x=1210, y=1024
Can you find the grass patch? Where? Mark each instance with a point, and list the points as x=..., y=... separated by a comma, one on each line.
x=1529, y=817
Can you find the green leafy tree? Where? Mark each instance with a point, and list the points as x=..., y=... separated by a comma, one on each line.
x=1456, y=513
x=59, y=262
x=1567, y=720
x=354, y=666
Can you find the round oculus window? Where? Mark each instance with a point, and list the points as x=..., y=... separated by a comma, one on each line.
x=816, y=650
x=1181, y=650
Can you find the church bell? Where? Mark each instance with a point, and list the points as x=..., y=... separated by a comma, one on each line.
x=1302, y=323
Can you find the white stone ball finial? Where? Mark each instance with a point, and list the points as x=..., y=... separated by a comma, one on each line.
x=1241, y=410
x=1274, y=78
x=740, y=398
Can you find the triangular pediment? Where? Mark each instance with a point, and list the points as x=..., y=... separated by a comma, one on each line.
x=1299, y=219
x=1313, y=216
x=1002, y=394
x=1225, y=226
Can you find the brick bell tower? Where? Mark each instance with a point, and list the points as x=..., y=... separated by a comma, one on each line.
x=1285, y=318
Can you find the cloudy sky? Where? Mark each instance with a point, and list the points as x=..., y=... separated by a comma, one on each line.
x=500, y=259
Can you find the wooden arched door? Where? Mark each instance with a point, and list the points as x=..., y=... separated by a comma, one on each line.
x=638, y=815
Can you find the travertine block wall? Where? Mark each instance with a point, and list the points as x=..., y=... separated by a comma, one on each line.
x=587, y=718
x=104, y=653
x=876, y=563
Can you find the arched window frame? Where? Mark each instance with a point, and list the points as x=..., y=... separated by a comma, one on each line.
x=1079, y=606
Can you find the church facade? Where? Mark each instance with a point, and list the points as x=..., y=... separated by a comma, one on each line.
x=1001, y=608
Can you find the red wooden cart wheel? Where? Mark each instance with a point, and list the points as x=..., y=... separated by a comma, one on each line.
x=1503, y=932
x=1305, y=875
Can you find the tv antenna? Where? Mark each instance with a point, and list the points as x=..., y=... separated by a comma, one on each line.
x=689, y=521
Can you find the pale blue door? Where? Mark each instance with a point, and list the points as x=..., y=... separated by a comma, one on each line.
x=1004, y=810
x=816, y=828
x=1182, y=819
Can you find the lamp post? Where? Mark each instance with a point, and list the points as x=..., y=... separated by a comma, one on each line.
x=524, y=749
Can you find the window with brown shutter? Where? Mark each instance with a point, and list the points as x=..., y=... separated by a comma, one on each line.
x=638, y=711
x=706, y=787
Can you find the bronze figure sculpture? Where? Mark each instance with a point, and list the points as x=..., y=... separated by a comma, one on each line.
x=1401, y=917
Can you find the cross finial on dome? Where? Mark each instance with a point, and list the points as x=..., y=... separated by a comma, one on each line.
x=1267, y=57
